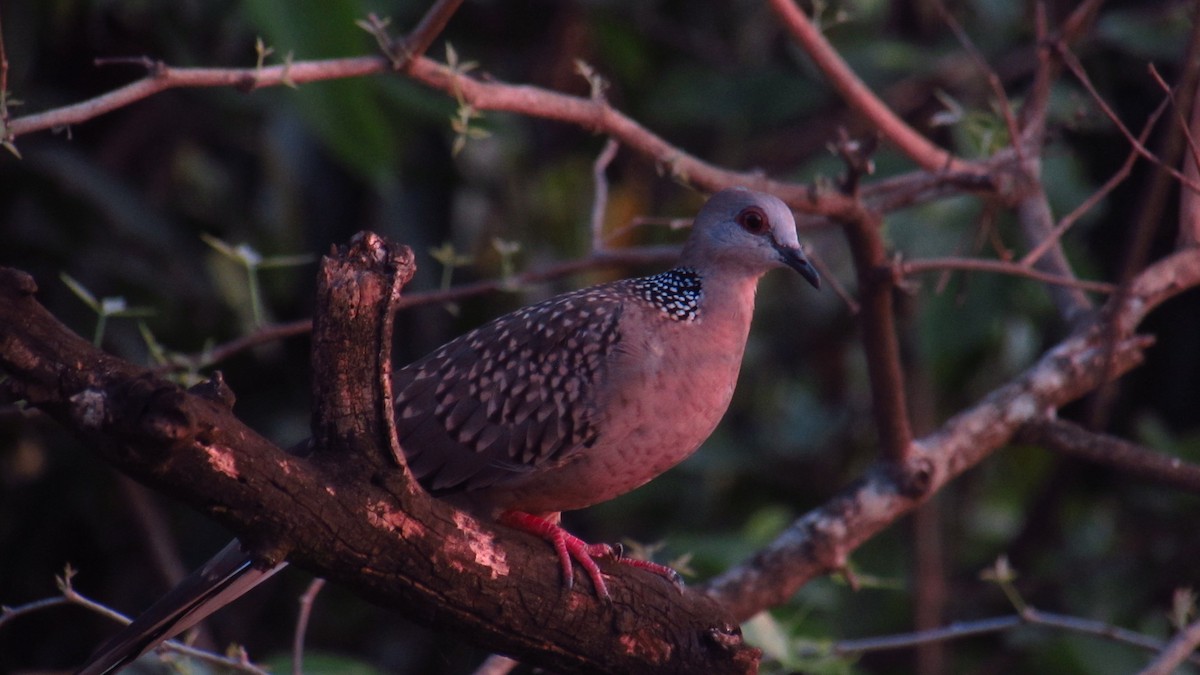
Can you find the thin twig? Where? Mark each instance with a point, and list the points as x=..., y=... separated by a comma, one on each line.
x=861, y=99
x=600, y=200
x=1076, y=68
x=1037, y=222
x=431, y=25
x=1184, y=126
x=72, y=597
x=13, y=613
x=1029, y=617
x=302, y=617
x=1181, y=648
x=1129, y=458
x=3, y=75
x=910, y=267
x=1096, y=197
x=839, y=289
x=1173, y=653
x=646, y=255
x=1014, y=133
x=238, y=664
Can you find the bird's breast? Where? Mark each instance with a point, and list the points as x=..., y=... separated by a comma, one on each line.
x=663, y=395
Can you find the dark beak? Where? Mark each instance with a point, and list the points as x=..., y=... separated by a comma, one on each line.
x=794, y=258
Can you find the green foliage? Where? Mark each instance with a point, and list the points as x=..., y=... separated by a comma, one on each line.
x=345, y=114
x=251, y=261
x=105, y=308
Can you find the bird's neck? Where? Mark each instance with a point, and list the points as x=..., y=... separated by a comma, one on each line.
x=728, y=296
x=690, y=294
x=678, y=293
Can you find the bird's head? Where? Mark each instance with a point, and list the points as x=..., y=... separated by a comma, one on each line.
x=747, y=231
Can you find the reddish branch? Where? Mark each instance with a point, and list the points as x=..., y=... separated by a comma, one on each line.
x=875, y=288
x=861, y=99
x=590, y=113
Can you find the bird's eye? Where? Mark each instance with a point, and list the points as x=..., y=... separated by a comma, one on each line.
x=753, y=220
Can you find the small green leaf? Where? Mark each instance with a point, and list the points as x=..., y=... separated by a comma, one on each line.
x=80, y=292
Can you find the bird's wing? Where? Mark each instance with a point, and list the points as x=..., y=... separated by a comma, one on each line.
x=510, y=396
x=224, y=578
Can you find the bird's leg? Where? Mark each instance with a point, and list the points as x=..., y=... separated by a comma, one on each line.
x=567, y=545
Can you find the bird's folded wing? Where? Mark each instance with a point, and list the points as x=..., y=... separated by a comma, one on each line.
x=511, y=396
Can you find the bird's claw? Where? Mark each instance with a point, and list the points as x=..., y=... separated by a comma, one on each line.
x=569, y=547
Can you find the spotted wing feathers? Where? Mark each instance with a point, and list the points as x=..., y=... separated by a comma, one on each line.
x=509, y=396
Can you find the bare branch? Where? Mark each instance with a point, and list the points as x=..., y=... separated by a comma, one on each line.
x=306, y=605
x=70, y=596
x=431, y=25
x=910, y=267
x=861, y=99
x=646, y=255
x=598, y=115
x=1002, y=102
x=1129, y=458
x=600, y=200
x=1029, y=617
x=1096, y=197
x=164, y=77
x=1076, y=69
x=1037, y=223
x=1180, y=649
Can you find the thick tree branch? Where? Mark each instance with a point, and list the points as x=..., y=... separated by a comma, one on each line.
x=355, y=520
x=822, y=540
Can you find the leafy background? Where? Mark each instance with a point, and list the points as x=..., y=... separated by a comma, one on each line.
x=121, y=204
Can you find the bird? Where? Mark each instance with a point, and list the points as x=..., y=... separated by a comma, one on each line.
x=559, y=405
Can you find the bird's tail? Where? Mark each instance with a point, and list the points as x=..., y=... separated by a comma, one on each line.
x=224, y=578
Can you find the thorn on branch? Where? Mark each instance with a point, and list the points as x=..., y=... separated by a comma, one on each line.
x=395, y=50
x=858, y=155
x=262, y=51
x=596, y=82
x=215, y=389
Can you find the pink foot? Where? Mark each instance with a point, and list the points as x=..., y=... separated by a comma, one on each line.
x=571, y=547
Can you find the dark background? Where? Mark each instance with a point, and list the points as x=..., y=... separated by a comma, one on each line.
x=119, y=204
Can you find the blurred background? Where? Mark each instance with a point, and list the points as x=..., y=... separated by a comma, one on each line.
x=165, y=204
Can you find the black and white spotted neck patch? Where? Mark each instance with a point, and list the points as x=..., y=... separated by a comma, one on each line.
x=676, y=293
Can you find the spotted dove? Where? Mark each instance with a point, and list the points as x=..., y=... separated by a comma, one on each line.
x=562, y=404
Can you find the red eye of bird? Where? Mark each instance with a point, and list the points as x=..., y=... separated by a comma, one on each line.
x=753, y=220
